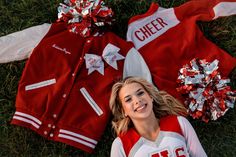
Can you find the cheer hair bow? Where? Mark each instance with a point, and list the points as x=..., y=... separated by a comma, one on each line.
x=110, y=55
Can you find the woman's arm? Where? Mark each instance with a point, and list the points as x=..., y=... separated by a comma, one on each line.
x=194, y=146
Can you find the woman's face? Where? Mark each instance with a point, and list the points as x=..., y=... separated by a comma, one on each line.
x=136, y=102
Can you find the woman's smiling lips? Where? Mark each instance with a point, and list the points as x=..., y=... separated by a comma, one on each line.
x=140, y=108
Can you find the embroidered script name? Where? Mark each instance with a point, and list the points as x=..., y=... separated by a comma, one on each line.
x=61, y=49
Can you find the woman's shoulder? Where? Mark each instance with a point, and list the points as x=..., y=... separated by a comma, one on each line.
x=166, y=119
x=131, y=132
x=130, y=136
x=117, y=141
x=173, y=118
x=117, y=149
x=171, y=123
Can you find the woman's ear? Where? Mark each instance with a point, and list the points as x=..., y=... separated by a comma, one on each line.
x=124, y=114
x=152, y=98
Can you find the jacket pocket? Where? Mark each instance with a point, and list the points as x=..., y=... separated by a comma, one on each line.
x=91, y=101
x=40, y=84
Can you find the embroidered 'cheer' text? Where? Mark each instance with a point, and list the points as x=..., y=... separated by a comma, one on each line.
x=150, y=28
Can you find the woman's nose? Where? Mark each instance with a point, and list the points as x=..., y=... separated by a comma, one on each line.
x=137, y=100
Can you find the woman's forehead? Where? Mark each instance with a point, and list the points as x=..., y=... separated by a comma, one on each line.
x=129, y=89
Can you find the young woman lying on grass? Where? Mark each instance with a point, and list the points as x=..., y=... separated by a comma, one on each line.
x=150, y=122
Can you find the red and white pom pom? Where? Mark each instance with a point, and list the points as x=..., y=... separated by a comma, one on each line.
x=207, y=94
x=85, y=17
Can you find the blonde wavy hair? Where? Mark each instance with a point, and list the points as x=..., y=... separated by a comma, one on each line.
x=163, y=104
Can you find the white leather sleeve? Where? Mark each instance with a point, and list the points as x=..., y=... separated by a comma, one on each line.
x=194, y=146
x=136, y=66
x=117, y=149
x=224, y=9
x=19, y=45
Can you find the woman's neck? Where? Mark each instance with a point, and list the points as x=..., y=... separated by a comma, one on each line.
x=148, y=128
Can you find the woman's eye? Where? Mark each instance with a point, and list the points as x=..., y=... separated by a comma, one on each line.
x=140, y=93
x=128, y=100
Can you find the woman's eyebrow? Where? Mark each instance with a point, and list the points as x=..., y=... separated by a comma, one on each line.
x=127, y=96
x=139, y=90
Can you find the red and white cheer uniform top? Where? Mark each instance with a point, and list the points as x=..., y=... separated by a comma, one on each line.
x=169, y=38
x=176, y=138
x=65, y=87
